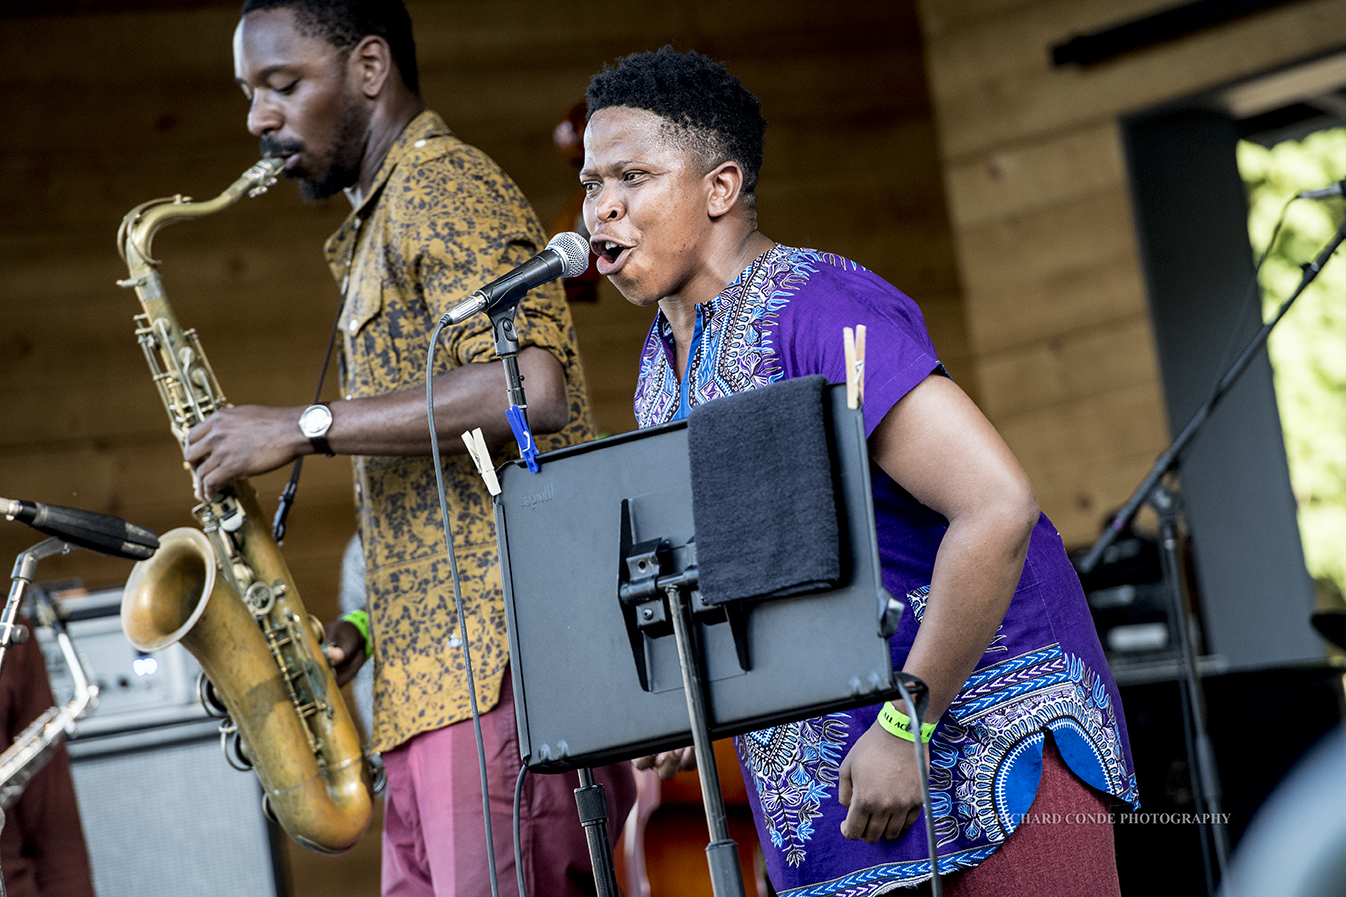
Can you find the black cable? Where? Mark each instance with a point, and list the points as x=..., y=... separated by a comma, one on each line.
x=458, y=597
x=1254, y=293
x=288, y=493
x=923, y=769
x=518, y=838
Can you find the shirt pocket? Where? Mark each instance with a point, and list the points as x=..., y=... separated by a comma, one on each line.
x=363, y=304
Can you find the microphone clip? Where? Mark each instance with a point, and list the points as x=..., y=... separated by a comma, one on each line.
x=507, y=347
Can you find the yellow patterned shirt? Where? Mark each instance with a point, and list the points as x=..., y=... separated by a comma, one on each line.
x=440, y=221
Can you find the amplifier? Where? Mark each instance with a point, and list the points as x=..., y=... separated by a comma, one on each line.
x=135, y=690
x=164, y=814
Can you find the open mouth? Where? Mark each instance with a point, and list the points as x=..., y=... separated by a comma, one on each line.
x=610, y=255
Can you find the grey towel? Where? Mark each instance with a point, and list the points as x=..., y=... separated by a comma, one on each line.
x=763, y=494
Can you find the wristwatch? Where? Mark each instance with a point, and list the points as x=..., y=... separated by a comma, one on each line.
x=314, y=423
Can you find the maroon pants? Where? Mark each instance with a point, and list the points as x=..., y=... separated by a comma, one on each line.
x=434, y=837
x=1064, y=846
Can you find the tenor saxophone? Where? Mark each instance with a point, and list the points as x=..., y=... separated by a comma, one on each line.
x=225, y=592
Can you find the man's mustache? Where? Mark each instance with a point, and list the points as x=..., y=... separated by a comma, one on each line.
x=272, y=147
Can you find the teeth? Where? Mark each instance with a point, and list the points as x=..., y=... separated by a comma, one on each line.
x=609, y=246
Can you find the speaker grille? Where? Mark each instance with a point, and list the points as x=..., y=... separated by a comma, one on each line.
x=172, y=819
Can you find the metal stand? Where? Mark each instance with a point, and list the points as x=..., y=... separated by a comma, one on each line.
x=726, y=878
x=593, y=811
x=25, y=566
x=507, y=347
x=1204, y=774
x=34, y=746
x=1201, y=759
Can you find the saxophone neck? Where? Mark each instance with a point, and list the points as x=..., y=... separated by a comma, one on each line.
x=136, y=237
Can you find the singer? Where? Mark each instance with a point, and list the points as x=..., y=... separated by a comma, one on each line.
x=333, y=90
x=1028, y=717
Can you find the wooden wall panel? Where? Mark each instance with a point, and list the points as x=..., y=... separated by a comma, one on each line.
x=106, y=109
x=993, y=83
x=1055, y=303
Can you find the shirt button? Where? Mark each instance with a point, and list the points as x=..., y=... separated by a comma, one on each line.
x=418, y=144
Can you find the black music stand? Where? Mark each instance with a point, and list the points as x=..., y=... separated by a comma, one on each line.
x=598, y=564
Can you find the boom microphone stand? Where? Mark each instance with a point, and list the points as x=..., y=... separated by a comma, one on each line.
x=1152, y=491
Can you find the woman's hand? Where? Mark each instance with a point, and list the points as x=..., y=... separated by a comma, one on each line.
x=880, y=786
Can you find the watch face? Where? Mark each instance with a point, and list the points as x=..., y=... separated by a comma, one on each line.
x=315, y=420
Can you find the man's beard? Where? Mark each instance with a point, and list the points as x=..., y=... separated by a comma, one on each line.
x=341, y=164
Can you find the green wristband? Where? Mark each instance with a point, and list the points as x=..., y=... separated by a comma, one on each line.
x=898, y=723
x=360, y=620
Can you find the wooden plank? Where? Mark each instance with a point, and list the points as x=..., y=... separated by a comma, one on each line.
x=1007, y=183
x=211, y=275
x=982, y=54
x=1087, y=432
x=993, y=85
x=939, y=18
x=1067, y=369
x=143, y=476
x=462, y=34
x=946, y=321
x=89, y=406
x=904, y=146
x=1080, y=505
x=135, y=47
x=1051, y=272
x=913, y=254
x=92, y=197
x=1073, y=452
x=480, y=34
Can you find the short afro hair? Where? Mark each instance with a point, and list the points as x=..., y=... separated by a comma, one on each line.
x=344, y=23
x=718, y=117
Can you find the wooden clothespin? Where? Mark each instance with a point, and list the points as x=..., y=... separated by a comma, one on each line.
x=855, y=365
x=481, y=457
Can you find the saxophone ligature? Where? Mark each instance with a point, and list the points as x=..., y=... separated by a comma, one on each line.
x=225, y=592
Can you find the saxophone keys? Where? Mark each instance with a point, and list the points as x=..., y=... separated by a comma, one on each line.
x=259, y=598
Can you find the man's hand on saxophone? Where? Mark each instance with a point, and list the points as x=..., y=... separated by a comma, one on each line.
x=238, y=442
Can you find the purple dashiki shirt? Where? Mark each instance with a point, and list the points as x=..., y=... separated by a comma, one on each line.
x=1044, y=670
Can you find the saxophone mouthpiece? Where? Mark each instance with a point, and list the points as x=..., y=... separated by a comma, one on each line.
x=263, y=175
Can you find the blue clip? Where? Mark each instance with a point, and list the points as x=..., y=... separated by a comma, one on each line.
x=519, y=424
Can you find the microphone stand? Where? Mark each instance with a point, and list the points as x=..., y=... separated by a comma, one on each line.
x=25, y=567
x=1201, y=756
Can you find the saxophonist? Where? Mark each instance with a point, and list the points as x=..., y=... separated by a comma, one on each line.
x=333, y=90
x=42, y=849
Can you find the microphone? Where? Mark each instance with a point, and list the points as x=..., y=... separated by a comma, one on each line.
x=97, y=532
x=567, y=255
x=1330, y=192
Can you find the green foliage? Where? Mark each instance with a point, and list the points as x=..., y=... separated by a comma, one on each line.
x=1308, y=347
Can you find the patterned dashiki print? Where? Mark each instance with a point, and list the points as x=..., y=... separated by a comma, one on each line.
x=1044, y=670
